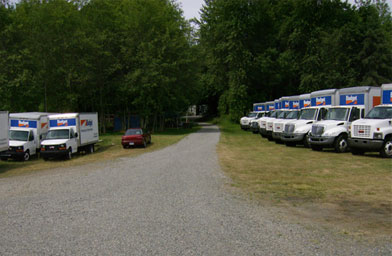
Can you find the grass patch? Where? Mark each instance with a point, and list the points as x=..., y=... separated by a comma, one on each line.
x=110, y=148
x=342, y=188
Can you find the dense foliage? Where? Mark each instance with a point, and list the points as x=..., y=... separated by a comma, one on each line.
x=117, y=57
x=257, y=50
x=123, y=57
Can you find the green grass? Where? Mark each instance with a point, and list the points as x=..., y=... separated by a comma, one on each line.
x=110, y=148
x=355, y=188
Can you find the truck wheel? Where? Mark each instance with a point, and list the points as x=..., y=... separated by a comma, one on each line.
x=386, y=150
x=69, y=154
x=341, y=144
x=306, y=141
x=26, y=156
x=316, y=147
x=357, y=151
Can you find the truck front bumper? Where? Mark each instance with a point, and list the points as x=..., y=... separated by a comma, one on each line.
x=12, y=154
x=53, y=154
x=292, y=137
x=263, y=131
x=244, y=126
x=254, y=129
x=367, y=144
x=276, y=135
x=322, y=140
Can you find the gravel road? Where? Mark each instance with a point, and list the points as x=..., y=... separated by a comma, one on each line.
x=174, y=201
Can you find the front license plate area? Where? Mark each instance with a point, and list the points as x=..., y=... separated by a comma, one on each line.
x=131, y=143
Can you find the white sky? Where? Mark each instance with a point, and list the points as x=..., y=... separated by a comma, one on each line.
x=191, y=7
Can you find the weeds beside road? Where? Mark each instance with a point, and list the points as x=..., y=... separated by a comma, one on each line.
x=353, y=192
x=109, y=148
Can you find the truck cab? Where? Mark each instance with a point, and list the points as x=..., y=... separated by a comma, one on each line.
x=281, y=122
x=22, y=144
x=296, y=132
x=245, y=121
x=332, y=132
x=373, y=133
x=60, y=141
x=254, y=124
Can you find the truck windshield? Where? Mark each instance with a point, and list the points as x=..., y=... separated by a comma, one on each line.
x=380, y=113
x=307, y=114
x=19, y=135
x=282, y=115
x=252, y=114
x=339, y=114
x=274, y=114
x=57, y=135
x=293, y=115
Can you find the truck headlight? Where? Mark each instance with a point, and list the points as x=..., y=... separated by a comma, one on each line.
x=62, y=147
x=377, y=136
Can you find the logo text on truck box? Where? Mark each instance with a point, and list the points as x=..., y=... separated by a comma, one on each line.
x=24, y=123
x=62, y=122
x=295, y=104
x=352, y=99
x=306, y=103
x=320, y=101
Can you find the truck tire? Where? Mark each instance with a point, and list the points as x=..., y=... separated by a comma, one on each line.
x=26, y=155
x=316, y=147
x=69, y=154
x=306, y=141
x=341, y=144
x=357, y=151
x=386, y=150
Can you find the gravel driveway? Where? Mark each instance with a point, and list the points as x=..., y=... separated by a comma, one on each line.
x=169, y=202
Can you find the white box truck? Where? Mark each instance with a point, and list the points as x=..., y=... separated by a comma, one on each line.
x=3, y=131
x=296, y=132
x=245, y=121
x=273, y=108
x=333, y=131
x=70, y=133
x=26, y=131
x=374, y=132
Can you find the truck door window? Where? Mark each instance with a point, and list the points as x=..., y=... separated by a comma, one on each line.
x=354, y=115
x=322, y=113
x=31, y=136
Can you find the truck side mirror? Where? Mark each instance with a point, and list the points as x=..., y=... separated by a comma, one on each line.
x=76, y=134
x=40, y=137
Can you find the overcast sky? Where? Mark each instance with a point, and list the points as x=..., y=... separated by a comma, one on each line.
x=191, y=7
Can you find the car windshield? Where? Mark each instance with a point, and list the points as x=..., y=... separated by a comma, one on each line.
x=57, y=134
x=293, y=115
x=307, y=114
x=19, y=135
x=339, y=114
x=380, y=113
x=252, y=114
x=133, y=132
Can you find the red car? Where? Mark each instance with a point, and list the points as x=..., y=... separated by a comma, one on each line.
x=135, y=137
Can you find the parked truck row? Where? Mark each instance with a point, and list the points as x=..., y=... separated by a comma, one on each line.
x=357, y=119
x=51, y=135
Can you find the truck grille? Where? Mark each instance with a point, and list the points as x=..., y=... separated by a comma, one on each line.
x=317, y=130
x=278, y=127
x=361, y=131
x=289, y=128
x=270, y=126
x=254, y=125
x=51, y=148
